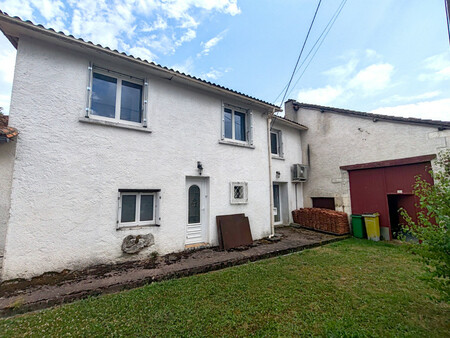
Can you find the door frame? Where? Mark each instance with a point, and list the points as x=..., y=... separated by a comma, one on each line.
x=280, y=209
x=203, y=184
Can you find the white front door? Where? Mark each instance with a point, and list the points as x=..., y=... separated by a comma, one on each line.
x=197, y=210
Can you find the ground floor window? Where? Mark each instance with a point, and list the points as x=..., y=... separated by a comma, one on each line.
x=137, y=208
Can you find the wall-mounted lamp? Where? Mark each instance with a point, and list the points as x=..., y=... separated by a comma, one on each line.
x=199, y=167
x=278, y=174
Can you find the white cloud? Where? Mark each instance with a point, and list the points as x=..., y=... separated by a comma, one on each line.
x=321, y=96
x=400, y=98
x=159, y=24
x=373, y=78
x=185, y=67
x=142, y=52
x=214, y=74
x=438, y=68
x=435, y=110
x=368, y=81
x=342, y=71
x=7, y=63
x=22, y=9
x=208, y=45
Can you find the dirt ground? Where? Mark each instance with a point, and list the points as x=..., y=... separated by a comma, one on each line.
x=18, y=296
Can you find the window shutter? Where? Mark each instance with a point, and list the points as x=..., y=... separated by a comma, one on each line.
x=145, y=104
x=250, y=129
x=89, y=90
x=222, y=114
x=280, y=141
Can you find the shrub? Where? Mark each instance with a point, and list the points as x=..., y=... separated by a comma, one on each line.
x=432, y=225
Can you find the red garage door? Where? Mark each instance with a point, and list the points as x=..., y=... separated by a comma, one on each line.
x=386, y=186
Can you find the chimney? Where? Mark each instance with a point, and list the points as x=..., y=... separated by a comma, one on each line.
x=291, y=108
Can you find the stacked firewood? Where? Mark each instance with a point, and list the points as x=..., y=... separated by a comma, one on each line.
x=326, y=220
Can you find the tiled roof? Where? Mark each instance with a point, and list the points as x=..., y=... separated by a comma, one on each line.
x=290, y=122
x=376, y=117
x=7, y=133
x=50, y=31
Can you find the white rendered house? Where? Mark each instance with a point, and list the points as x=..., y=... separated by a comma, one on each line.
x=111, y=145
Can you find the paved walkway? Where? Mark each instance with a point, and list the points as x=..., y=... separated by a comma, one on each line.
x=48, y=290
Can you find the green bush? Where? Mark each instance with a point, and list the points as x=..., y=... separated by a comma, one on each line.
x=432, y=225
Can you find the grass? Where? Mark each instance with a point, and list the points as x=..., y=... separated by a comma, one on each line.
x=350, y=288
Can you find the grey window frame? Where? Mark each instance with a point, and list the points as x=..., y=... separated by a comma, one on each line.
x=248, y=124
x=119, y=78
x=280, y=150
x=137, y=222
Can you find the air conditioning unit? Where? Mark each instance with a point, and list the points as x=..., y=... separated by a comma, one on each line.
x=299, y=173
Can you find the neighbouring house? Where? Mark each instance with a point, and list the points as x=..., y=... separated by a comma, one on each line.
x=112, y=146
x=364, y=163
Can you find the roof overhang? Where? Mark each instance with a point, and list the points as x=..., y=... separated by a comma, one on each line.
x=289, y=123
x=14, y=27
x=440, y=125
x=390, y=163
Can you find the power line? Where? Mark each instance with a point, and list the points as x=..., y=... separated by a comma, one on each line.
x=447, y=5
x=330, y=22
x=301, y=52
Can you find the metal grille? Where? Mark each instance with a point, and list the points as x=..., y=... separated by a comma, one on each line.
x=238, y=192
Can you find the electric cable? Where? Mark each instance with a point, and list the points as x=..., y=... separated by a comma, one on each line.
x=301, y=51
x=330, y=22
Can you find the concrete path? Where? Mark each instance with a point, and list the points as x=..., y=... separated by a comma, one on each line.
x=41, y=292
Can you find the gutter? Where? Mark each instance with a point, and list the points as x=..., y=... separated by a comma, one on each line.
x=270, y=117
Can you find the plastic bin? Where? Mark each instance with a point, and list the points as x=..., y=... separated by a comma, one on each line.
x=358, y=228
x=372, y=222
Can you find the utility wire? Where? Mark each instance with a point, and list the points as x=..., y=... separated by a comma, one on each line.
x=330, y=22
x=301, y=52
x=447, y=5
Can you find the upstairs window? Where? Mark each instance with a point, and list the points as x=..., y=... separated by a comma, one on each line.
x=276, y=143
x=118, y=97
x=236, y=124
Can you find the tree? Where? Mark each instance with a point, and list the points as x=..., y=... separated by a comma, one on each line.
x=432, y=225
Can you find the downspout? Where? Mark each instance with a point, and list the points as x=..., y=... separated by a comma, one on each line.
x=269, y=153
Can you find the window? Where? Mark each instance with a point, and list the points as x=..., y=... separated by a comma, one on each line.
x=137, y=208
x=194, y=205
x=239, y=192
x=275, y=143
x=236, y=124
x=117, y=97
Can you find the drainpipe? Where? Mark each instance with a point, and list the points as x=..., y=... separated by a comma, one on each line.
x=269, y=152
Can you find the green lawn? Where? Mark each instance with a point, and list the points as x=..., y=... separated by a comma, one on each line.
x=349, y=288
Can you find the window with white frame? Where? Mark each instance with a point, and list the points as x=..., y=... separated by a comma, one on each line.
x=116, y=97
x=137, y=208
x=276, y=144
x=237, y=124
x=239, y=192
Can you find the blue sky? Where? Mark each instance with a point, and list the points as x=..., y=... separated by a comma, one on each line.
x=383, y=56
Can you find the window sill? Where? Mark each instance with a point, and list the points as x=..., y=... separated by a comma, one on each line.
x=113, y=124
x=275, y=157
x=237, y=144
x=137, y=227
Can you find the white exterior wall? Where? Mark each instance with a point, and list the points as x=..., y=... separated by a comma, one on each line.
x=67, y=173
x=292, y=153
x=336, y=140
